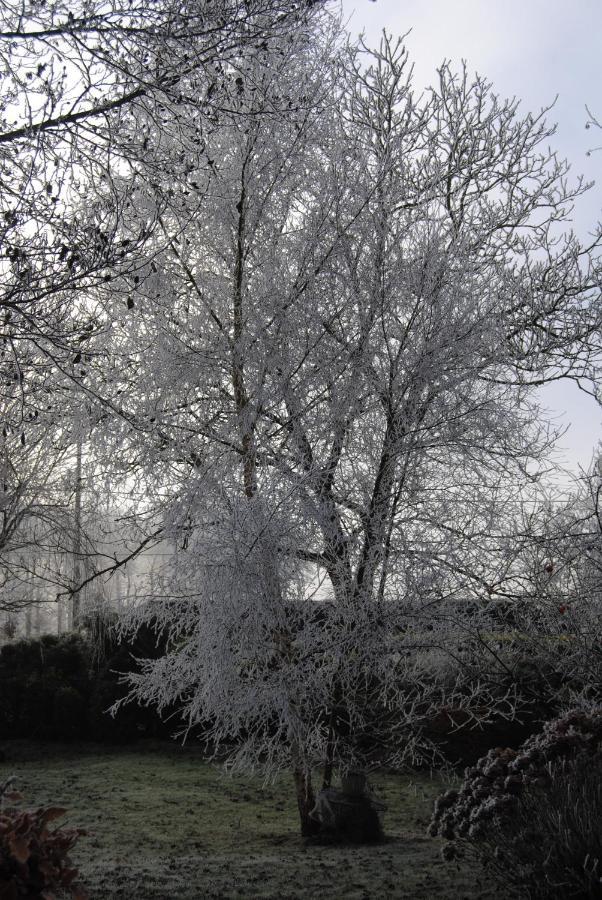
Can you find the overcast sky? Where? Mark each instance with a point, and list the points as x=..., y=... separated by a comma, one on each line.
x=532, y=50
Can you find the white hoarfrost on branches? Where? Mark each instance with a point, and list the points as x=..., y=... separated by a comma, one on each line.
x=336, y=350
x=83, y=86
x=318, y=312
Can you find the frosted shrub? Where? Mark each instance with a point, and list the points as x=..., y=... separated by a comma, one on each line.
x=533, y=815
x=554, y=847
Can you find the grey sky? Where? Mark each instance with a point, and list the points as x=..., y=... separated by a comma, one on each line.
x=534, y=50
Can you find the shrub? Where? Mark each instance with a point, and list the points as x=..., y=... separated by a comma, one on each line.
x=133, y=721
x=491, y=786
x=532, y=815
x=68, y=654
x=68, y=713
x=11, y=704
x=34, y=860
x=35, y=718
x=553, y=849
x=103, y=727
x=35, y=678
x=57, y=688
x=461, y=741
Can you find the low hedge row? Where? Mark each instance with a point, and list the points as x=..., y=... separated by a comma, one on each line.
x=60, y=688
x=55, y=688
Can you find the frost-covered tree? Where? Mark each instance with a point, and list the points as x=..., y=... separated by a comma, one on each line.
x=35, y=510
x=81, y=84
x=330, y=399
x=49, y=539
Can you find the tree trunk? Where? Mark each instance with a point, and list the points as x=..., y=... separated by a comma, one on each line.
x=329, y=761
x=305, y=801
x=75, y=611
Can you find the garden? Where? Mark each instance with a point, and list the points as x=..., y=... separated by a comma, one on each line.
x=297, y=598
x=163, y=822
x=133, y=814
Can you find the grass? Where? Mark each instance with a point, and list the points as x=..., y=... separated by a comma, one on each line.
x=164, y=823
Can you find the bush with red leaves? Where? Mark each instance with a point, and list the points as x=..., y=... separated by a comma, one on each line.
x=34, y=859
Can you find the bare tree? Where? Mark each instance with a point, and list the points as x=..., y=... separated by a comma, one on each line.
x=82, y=85
x=592, y=122
x=36, y=513
x=333, y=385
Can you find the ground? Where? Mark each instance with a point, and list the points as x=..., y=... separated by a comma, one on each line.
x=164, y=823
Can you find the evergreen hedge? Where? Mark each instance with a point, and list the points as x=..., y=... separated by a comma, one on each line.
x=57, y=688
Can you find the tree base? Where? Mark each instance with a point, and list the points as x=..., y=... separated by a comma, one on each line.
x=347, y=819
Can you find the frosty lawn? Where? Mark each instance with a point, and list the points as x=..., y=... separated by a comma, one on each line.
x=164, y=823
